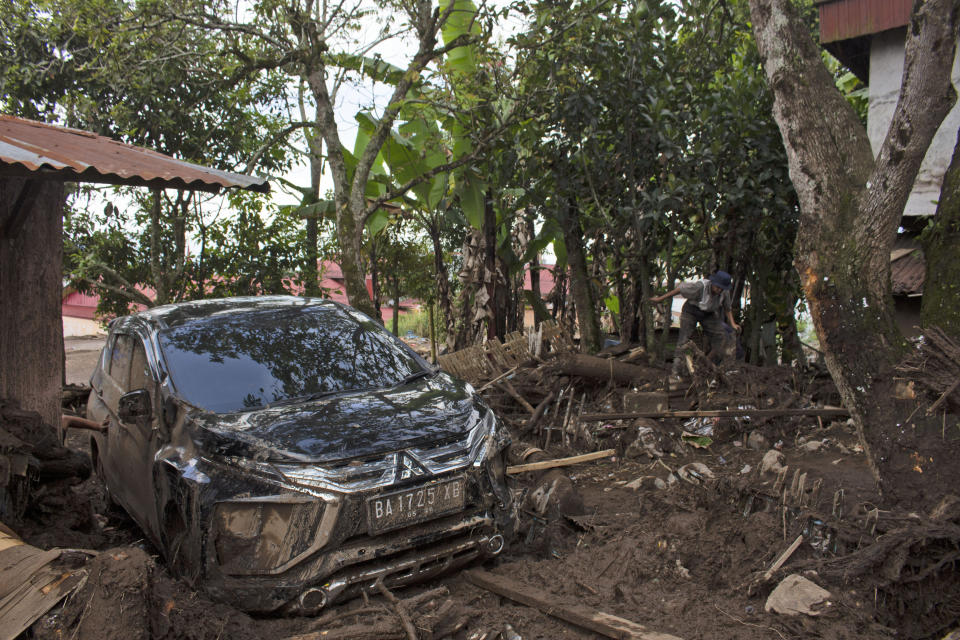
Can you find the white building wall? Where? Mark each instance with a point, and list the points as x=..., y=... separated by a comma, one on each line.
x=886, y=70
x=75, y=327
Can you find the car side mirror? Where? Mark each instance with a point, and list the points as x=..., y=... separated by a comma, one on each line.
x=135, y=406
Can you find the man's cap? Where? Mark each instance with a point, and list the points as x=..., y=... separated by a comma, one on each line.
x=722, y=279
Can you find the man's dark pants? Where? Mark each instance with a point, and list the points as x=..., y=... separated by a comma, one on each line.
x=712, y=325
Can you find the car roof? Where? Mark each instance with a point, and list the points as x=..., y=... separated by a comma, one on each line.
x=171, y=315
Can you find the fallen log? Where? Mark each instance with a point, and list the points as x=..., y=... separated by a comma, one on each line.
x=605, y=624
x=587, y=366
x=538, y=412
x=560, y=462
x=716, y=413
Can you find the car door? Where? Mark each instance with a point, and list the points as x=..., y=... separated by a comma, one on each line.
x=134, y=442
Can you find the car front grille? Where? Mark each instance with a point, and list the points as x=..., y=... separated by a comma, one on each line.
x=389, y=469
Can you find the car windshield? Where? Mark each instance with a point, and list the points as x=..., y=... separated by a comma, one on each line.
x=244, y=360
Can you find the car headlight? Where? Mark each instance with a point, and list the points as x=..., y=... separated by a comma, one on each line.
x=269, y=535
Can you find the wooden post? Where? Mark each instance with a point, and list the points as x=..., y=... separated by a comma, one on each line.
x=31, y=285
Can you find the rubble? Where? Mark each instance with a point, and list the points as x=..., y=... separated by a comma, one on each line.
x=684, y=541
x=796, y=595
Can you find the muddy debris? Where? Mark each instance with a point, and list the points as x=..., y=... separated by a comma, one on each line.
x=681, y=537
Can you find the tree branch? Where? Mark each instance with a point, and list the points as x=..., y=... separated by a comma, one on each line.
x=124, y=288
x=926, y=97
x=272, y=140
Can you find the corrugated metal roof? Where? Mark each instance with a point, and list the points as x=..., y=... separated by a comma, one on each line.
x=28, y=148
x=846, y=19
x=908, y=268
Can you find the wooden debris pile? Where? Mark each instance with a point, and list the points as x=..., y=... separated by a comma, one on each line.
x=934, y=368
x=557, y=400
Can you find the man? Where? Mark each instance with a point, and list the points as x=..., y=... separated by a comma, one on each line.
x=705, y=299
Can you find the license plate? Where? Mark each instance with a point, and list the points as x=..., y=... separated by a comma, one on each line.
x=402, y=508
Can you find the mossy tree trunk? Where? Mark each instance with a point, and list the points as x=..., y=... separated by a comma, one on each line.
x=850, y=207
x=941, y=289
x=580, y=285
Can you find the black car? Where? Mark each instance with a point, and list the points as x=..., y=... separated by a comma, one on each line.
x=285, y=453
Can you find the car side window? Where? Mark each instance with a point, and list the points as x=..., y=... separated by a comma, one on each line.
x=140, y=377
x=120, y=360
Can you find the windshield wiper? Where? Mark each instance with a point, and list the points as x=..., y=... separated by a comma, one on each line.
x=305, y=398
x=416, y=375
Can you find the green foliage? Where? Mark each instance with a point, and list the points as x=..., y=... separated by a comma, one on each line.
x=122, y=68
x=419, y=322
x=655, y=131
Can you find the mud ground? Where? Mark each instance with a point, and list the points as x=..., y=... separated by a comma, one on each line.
x=685, y=559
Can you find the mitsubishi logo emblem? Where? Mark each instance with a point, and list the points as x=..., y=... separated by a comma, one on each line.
x=408, y=466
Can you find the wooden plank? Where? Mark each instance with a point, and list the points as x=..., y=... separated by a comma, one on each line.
x=605, y=624
x=718, y=413
x=33, y=598
x=17, y=564
x=561, y=462
x=8, y=539
x=783, y=558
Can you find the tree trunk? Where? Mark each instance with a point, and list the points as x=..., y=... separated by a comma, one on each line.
x=375, y=280
x=311, y=275
x=494, y=321
x=31, y=328
x=580, y=282
x=787, y=328
x=941, y=288
x=156, y=263
x=534, y=271
x=850, y=210
x=395, y=282
x=443, y=283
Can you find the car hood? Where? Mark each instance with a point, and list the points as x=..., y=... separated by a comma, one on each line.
x=349, y=425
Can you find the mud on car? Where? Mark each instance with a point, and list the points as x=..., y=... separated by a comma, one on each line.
x=284, y=453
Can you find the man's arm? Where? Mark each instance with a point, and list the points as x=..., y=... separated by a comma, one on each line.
x=668, y=294
x=731, y=321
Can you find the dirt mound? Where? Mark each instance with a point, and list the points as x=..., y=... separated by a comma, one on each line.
x=128, y=597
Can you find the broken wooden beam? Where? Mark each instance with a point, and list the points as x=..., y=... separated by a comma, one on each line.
x=538, y=412
x=716, y=413
x=516, y=396
x=605, y=624
x=587, y=366
x=560, y=462
x=783, y=558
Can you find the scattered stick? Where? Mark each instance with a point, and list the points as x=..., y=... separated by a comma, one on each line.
x=538, y=413
x=560, y=462
x=413, y=602
x=748, y=624
x=398, y=607
x=597, y=621
x=783, y=558
x=712, y=413
x=946, y=394
x=500, y=377
x=516, y=396
x=333, y=616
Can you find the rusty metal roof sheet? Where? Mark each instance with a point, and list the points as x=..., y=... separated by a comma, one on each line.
x=29, y=148
x=846, y=19
x=908, y=268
